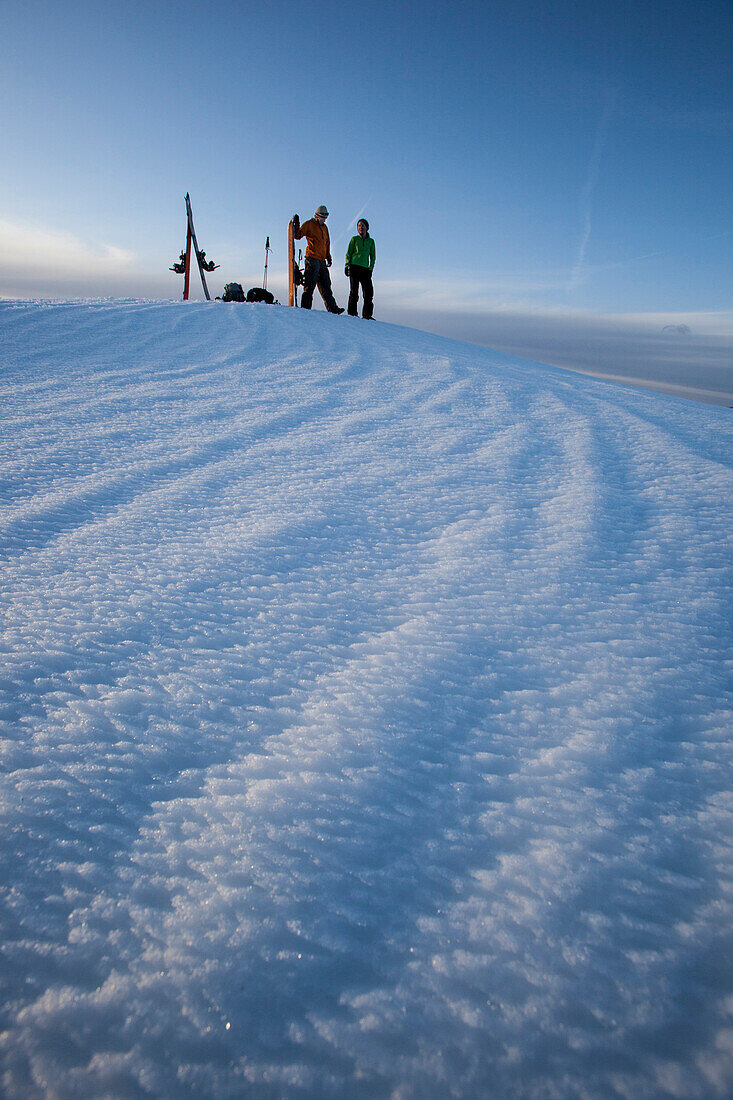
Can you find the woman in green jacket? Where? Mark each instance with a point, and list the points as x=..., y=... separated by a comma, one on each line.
x=360, y=257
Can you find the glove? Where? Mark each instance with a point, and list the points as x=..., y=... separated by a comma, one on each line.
x=328, y=263
x=347, y=271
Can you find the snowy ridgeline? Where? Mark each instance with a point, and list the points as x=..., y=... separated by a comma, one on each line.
x=364, y=718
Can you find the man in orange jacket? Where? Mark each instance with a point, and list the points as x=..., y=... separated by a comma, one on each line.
x=317, y=259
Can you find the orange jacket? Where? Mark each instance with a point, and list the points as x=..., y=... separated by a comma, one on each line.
x=319, y=242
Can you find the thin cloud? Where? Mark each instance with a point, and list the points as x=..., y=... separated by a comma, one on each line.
x=591, y=182
x=28, y=249
x=41, y=262
x=350, y=225
x=468, y=293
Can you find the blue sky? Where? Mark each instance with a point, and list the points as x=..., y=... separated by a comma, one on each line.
x=560, y=159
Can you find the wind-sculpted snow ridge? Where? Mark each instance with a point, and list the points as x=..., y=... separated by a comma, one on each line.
x=365, y=716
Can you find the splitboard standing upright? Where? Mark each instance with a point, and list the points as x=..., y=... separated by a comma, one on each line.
x=200, y=256
x=291, y=264
x=183, y=267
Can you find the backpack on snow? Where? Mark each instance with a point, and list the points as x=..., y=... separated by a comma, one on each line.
x=233, y=293
x=259, y=294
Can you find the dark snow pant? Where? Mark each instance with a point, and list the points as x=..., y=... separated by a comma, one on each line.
x=361, y=277
x=316, y=275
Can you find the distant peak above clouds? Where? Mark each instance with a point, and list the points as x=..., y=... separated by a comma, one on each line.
x=677, y=330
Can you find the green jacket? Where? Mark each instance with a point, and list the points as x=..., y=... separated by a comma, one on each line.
x=361, y=251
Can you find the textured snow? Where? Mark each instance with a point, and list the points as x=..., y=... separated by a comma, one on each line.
x=365, y=713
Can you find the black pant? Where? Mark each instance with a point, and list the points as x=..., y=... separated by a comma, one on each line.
x=361, y=277
x=316, y=275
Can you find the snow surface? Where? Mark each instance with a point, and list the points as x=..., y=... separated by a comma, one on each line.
x=365, y=716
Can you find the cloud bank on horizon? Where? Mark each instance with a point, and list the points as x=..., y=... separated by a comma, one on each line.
x=683, y=355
